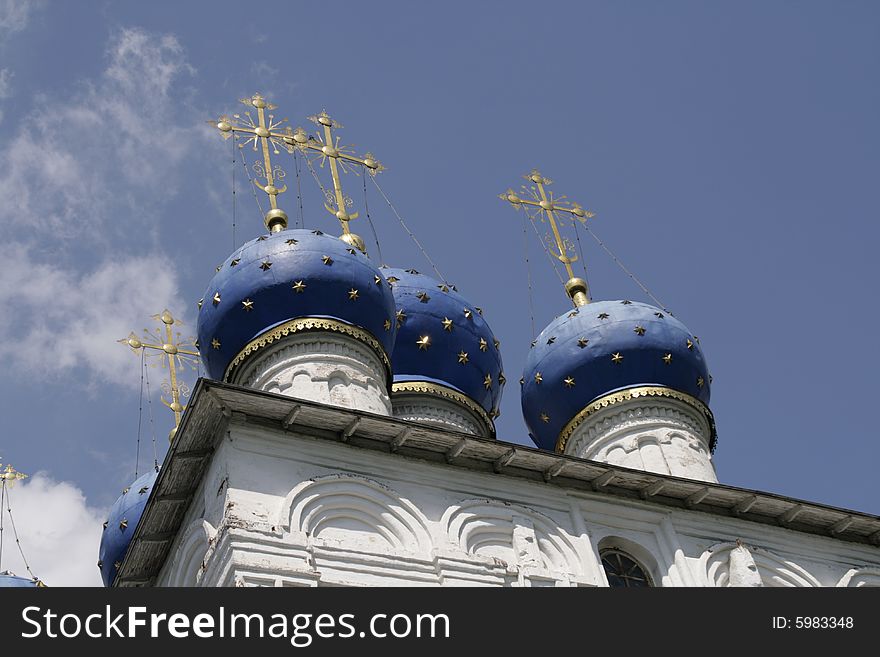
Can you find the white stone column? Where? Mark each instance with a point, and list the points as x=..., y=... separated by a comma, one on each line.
x=321, y=366
x=656, y=434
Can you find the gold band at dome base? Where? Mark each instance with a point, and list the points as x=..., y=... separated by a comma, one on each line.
x=307, y=325
x=430, y=388
x=635, y=393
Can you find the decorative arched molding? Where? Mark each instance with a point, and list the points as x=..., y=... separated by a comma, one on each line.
x=638, y=552
x=512, y=533
x=324, y=366
x=774, y=570
x=861, y=577
x=647, y=432
x=191, y=553
x=359, y=512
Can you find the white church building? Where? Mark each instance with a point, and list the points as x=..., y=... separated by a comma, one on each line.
x=343, y=435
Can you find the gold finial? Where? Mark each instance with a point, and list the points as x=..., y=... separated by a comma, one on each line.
x=340, y=157
x=545, y=204
x=265, y=131
x=178, y=357
x=10, y=475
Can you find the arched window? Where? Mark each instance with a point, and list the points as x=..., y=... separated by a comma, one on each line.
x=622, y=570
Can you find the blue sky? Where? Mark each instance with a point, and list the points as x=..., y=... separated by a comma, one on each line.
x=731, y=152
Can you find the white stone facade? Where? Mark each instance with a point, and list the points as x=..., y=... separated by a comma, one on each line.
x=321, y=366
x=276, y=508
x=655, y=434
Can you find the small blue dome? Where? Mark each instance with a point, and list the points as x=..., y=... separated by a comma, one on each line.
x=461, y=351
x=289, y=275
x=120, y=525
x=601, y=348
x=10, y=581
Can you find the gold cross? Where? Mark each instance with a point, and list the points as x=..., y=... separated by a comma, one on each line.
x=10, y=475
x=545, y=204
x=340, y=157
x=178, y=358
x=265, y=131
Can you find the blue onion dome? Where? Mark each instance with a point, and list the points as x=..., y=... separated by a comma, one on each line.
x=442, y=339
x=120, y=525
x=10, y=581
x=602, y=348
x=291, y=281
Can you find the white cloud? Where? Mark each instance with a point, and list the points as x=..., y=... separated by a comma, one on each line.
x=74, y=319
x=15, y=14
x=87, y=179
x=59, y=532
x=5, y=83
x=104, y=152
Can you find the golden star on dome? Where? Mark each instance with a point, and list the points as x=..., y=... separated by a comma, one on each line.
x=377, y=279
x=447, y=324
x=247, y=305
x=700, y=382
x=291, y=242
x=235, y=262
x=487, y=382
x=327, y=260
x=616, y=358
x=583, y=342
x=123, y=523
x=626, y=302
x=265, y=265
x=697, y=339
x=105, y=524
x=262, y=238
x=573, y=313
x=218, y=267
x=462, y=357
x=533, y=343
x=690, y=345
x=351, y=251
x=484, y=346
x=551, y=340
x=545, y=418
x=299, y=287
x=392, y=279
x=496, y=342
x=215, y=343
x=201, y=301
x=710, y=378
x=658, y=315
x=143, y=489
x=667, y=359
x=387, y=325
x=443, y=287
x=352, y=294
x=424, y=342
x=538, y=377
x=568, y=381
x=467, y=313
x=639, y=330
x=216, y=298
x=479, y=310
x=401, y=317
x=501, y=378
x=604, y=315
x=522, y=380
x=423, y=297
